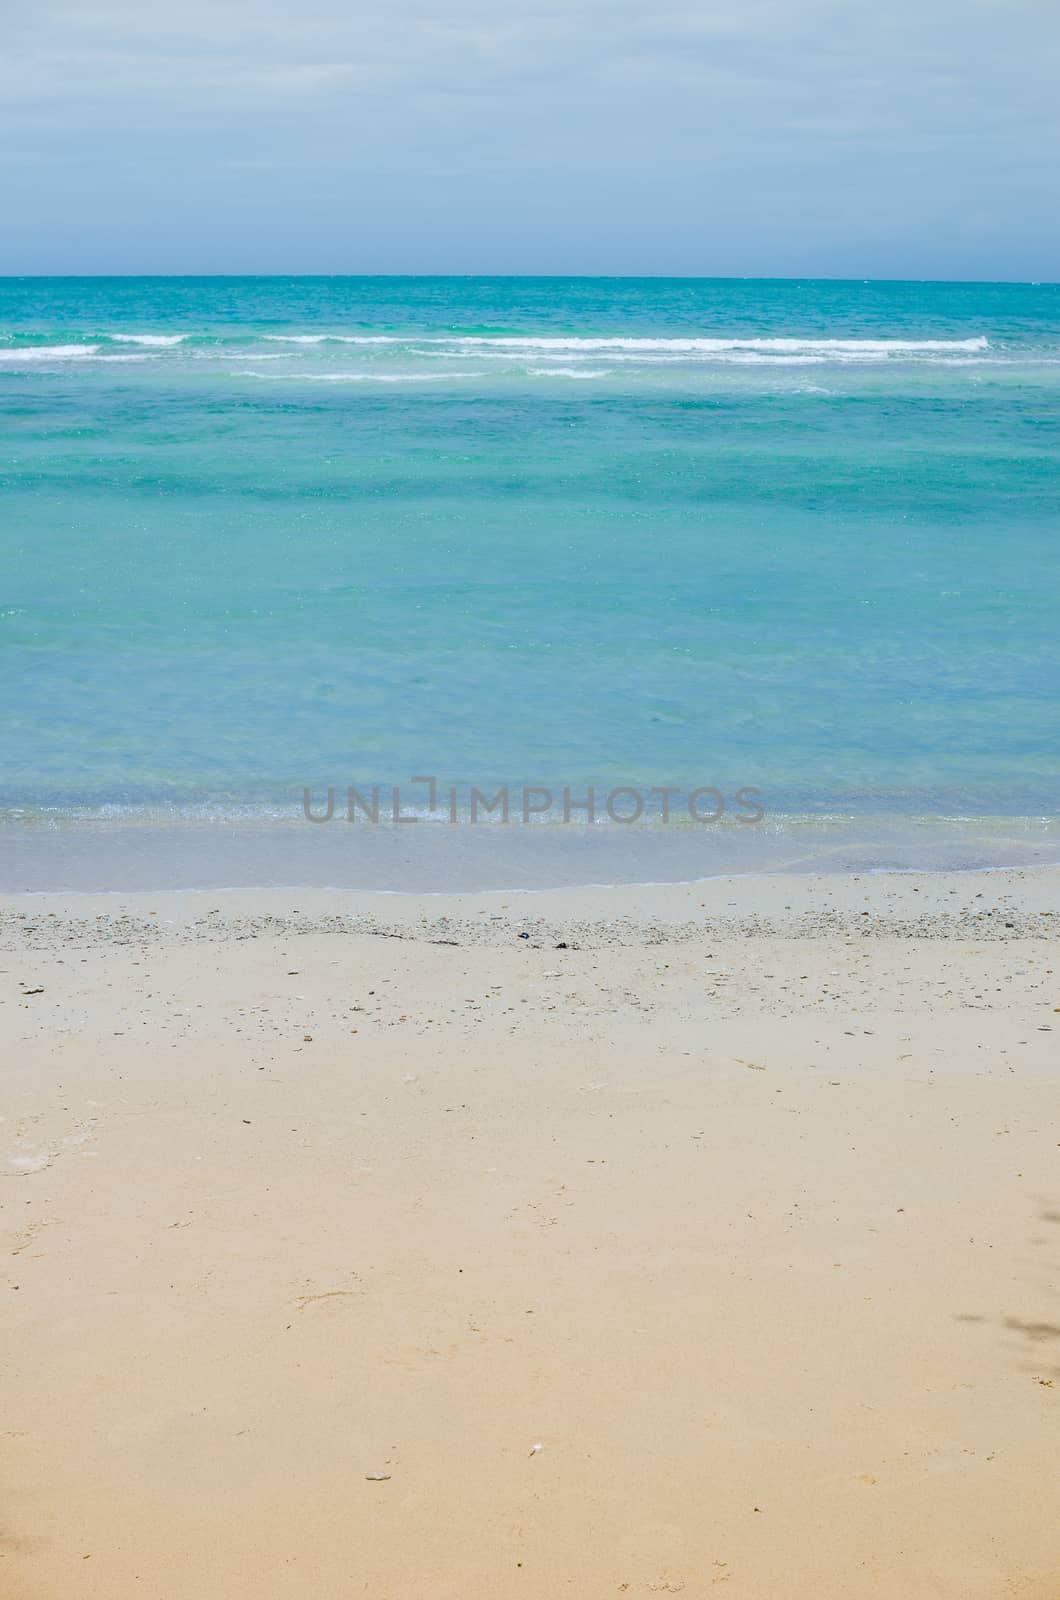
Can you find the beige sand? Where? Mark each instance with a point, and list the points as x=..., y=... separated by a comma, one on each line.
x=718, y=1254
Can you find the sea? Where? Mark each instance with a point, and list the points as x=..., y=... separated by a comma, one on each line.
x=772, y=568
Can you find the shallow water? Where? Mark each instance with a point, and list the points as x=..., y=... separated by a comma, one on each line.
x=264, y=534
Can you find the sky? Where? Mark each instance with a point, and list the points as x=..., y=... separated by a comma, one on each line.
x=834, y=138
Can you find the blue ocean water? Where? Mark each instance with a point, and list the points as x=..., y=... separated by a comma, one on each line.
x=266, y=533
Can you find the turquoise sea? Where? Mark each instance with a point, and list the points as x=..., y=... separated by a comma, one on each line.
x=268, y=533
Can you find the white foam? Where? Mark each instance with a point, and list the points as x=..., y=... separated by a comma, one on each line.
x=723, y=358
x=756, y=358
x=50, y=352
x=673, y=347
x=781, y=351
x=148, y=338
x=514, y=359
x=564, y=372
x=330, y=338
x=716, y=346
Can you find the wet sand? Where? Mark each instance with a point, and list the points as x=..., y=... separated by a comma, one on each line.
x=705, y=1239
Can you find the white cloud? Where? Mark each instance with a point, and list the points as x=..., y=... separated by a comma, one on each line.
x=819, y=102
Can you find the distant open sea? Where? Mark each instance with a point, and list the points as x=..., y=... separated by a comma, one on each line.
x=267, y=533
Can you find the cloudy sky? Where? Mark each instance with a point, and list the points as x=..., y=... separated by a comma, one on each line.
x=903, y=138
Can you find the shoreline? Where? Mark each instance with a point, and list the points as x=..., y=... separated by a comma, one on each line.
x=975, y=904
x=144, y=856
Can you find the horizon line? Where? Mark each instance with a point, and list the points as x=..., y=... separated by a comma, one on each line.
x=546, y=277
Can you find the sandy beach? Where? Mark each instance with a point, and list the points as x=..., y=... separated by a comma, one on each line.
x=675, y=1240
